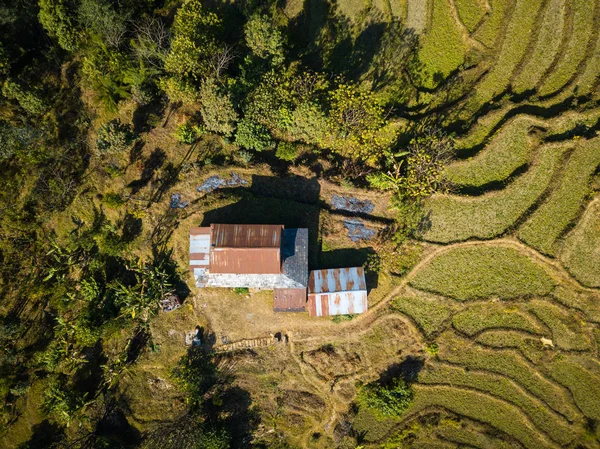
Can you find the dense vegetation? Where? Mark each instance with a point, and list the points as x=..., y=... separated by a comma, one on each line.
x=476, y=120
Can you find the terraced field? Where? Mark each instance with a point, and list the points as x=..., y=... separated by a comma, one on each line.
x=505, y=302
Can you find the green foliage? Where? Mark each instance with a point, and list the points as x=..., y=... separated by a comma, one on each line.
x=141, y=300
x=113, y=200
x=387, y=401
x=480, y=317
x=286, y=151
x=63, y=402
x=470, y=12
x=101, y=19
x=28, y=99
x=115, y=137
x=196, y=374
x=188, y=133
x=240, y=290
x=14, y=139
x=264, y=39
x=253, y=135
x=192, y=52
x=480, y=272
x=59, y=20
x=217, y=109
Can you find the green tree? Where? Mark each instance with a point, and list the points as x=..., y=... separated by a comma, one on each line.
x=115, y=137
x=253, y=135
x=264, y=39
x=58, y=17
x=101, y=19
x=388, y=401
x=193, y=50
x=217, y=109
x=29, y=99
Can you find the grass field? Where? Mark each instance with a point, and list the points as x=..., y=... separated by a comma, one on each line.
x=546, y=47
x=455, y=218
x=481, y=317
x=443, y=49
x=470, y=12
x=481, y=272
x=429, y=314
x=562, y=207
x=575, y=50
x=507, y=151
x=581, y=250
x=489, y=31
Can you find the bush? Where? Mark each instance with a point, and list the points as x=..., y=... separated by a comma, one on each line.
x=240, y=290
x=115, y=137
x=113, y=200
x=264, y=39
x=217, y=109
x=245, y=157
x=188, y=134
x=253, y=136
x=286, y=151
x=387, y=401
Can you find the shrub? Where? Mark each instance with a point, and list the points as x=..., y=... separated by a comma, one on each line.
x=217, y=109
x=264, y=39
x=113, y=200
x=245, y=157
x=115, y=137
x=253, y=136
x=240, y=290
x=286, y=151
x=387, y=401
x=188, y=134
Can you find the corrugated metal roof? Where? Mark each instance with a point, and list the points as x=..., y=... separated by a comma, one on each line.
x=245, y=260
x=339, y=291
x=246, y=236
x=339, y=303
x=245, y=249
x=289, y=300
x=199, y=247
x=337, y=280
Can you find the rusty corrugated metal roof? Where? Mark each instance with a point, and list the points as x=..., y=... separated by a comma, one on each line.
x=337, y=280
x=289, y=300
x=339, y=291
x=245, y=236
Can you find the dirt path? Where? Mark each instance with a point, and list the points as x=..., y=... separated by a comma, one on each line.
x=417, y=15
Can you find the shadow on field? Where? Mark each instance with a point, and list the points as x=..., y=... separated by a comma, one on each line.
x=408, y=370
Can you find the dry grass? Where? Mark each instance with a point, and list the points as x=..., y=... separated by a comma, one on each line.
x=454, y=218
x=482, y=272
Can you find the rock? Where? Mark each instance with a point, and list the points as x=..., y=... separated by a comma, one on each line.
x=176, y=202
x=215, y=182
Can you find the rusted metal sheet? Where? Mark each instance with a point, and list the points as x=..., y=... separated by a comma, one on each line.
x=199, y=247
x=245, y=249
x=337, y=280
x=340, y=291
x=289, y=300
x=245, y=261
x=246, y=236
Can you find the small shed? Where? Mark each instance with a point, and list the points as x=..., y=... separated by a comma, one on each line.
x=338, y=291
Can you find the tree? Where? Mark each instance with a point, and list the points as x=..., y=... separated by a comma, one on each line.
x=217, y=109
x=388, y=401
x=101, y=19
x=253, y=135
x=115, y=137
x=59, y=20
x=264, y=39
x=193, y=46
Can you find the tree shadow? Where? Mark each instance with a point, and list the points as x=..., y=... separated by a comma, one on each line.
x=154, y=162
x=295, y=188
x=408, y=370
x=46, y=435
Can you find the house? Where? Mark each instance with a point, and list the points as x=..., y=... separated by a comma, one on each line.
x=274, y=258
x=339, y=291
x=253, y=256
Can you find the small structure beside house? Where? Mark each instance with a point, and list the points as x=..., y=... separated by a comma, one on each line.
x=274, y=258
x=338, y=291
